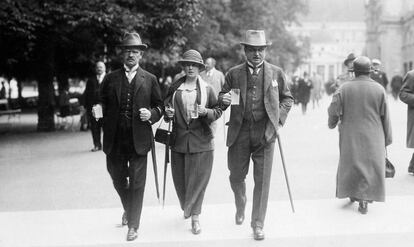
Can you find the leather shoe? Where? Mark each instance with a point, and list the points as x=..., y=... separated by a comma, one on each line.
x=258, y=233
x=353, y=199
x=195, y=227
x=95, y=149
x=239, y=218
x=363, y=207
x=132, y=234
x=411, y=169
x=124, y=219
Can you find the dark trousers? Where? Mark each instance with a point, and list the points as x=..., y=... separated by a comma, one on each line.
x=250, y=144
x=132, y=166
x=191, y=173
x=96, y=127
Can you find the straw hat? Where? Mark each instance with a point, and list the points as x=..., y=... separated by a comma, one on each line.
x=132, y=40
x=255, y=38
x=193, y=56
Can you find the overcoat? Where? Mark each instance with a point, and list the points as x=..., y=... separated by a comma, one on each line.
x=275, y=91
x=147, y=95
x=407, y=96
x=359, y=108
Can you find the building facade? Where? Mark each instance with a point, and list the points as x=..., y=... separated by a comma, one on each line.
x=390, y=34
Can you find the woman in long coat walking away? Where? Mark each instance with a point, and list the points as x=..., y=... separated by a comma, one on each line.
x=192, y=104
x=359, y=108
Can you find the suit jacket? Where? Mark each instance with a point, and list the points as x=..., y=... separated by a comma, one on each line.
x=197, y=136
x=91, y=94
x=147, y=95
x=277, y=99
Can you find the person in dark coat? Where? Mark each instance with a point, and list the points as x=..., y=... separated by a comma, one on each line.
x=131, y=101
x=359, y=108
x=396, y=85
x=194, y=110
x=90, y=98
x=304, y=91
x=255, y=118
x=407, y=96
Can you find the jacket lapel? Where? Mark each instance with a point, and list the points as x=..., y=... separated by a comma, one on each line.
x=243, y=84
x=118, y=89
x=139, y=79
x=267, y=80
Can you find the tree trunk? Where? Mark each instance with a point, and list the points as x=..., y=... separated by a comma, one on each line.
x=46, y=103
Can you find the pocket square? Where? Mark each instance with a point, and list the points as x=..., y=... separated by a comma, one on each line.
x=274, y=83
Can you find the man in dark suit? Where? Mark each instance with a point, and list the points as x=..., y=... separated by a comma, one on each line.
x=90, y=98
x=131, y=101
x=264, y=103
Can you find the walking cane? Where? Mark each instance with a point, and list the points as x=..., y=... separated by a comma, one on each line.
x=167, y=160
x=154, y=164
x=284, y=170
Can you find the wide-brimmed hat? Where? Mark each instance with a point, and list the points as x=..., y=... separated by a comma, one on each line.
x=132, y=40
x=193, y=56
x=351, y=57
x=255, y=38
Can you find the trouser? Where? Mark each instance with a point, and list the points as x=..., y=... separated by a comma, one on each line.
x=96, y=127
x=250, y=143
x=191, y=174
x=134, y=166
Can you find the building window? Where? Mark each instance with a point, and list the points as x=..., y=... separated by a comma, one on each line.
x=405, y=68
x=410, y=65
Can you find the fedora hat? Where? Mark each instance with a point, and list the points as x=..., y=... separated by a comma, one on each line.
x=351, y=57
x=192, y=56
x=132, y=40
x=255, y=38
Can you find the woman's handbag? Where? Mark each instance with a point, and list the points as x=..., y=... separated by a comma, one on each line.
x=389, y=167
x=165, y=136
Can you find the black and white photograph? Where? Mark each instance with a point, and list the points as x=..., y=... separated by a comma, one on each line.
x=187, y=123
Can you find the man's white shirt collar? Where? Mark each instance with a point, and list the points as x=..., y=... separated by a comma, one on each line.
x=251, y=66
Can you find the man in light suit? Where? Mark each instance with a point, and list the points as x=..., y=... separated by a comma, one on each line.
x=131, y=101
x=213, y=76
x=264, y=103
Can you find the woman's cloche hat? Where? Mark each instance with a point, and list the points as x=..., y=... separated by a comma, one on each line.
x=255, y=38
x=132, y=40
x=192, y=56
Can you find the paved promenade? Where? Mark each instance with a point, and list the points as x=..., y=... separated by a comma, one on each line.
x=55, y=192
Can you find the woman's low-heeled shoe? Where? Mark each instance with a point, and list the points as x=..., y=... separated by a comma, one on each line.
x=195, y=227
x=363, y=207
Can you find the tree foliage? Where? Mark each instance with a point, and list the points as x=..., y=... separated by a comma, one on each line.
x=224, y=24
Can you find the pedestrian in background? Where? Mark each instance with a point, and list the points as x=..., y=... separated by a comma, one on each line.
x=130, y=99
x=193, y=110
x=90, y=98
x=378, y=75
x=359, y=108
x=347, y=75
x=407, y=96
x=260, y=104
x=316, y=91
x=304, y=91
x=396, y=85
x=213, y=76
